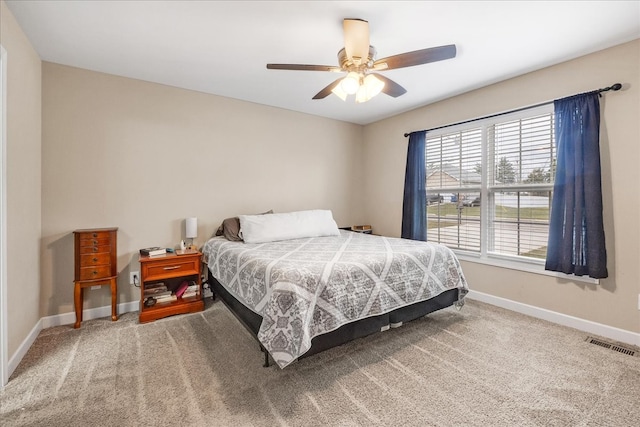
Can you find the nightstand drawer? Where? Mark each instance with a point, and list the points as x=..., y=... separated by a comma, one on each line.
x=97, y=272
x=89, y=260
x=172, y=267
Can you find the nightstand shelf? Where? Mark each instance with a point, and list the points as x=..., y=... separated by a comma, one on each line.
x=171, y=269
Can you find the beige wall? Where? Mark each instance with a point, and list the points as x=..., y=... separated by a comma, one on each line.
x=23, y=180
x=142, y=157
x=615, y=301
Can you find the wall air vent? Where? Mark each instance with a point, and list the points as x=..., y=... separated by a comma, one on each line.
x=613, y=346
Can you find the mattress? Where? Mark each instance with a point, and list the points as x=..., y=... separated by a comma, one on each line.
x=304, y=288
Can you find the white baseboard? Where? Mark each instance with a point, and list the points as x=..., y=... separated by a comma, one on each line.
x=15, y=359
x=89, y=314
x=616, y=334
x=64, y=319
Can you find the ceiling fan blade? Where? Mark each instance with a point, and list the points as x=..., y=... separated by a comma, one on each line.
x=327, y=90
x=356, y=39
x=417, y=57
x=391, y=88
x=302, y=67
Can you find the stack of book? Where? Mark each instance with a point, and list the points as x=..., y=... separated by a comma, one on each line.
x=159, y=292
x=187, y=289
x=153, y=251
x=166, y=298
x=192, y=290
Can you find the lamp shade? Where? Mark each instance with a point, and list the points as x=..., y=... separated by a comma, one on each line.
x=191, y=226
x=337, y=91
x=350, y=83
x=373, y=85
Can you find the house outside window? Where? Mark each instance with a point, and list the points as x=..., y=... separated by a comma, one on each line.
x=489, y=185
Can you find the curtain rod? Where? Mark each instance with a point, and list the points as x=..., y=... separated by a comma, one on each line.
x=614, y=87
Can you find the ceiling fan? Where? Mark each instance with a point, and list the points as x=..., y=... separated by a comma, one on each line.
x=357, y=59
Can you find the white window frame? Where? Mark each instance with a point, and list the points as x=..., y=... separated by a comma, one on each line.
x=485, y=255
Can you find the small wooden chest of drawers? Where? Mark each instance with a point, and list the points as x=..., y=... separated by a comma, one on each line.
x=95, y=264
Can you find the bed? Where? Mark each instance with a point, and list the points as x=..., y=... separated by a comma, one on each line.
x=300, y=296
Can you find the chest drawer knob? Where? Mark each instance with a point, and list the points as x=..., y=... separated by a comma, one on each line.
x=95, y=259
x=95, y=234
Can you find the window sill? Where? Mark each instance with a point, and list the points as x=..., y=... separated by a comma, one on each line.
x=533, y=266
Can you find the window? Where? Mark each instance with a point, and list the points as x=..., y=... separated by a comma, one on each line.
x=489, y=185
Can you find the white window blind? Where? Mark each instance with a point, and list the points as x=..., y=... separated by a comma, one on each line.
x=490, y=182
x=523, y=157
x=454, y=182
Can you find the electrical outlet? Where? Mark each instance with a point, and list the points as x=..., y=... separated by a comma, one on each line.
x=134, y=278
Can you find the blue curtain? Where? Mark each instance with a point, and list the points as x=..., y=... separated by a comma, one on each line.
x=414, y=205
x=576, y=232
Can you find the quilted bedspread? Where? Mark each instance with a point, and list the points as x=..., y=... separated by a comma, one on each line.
x=303, y=288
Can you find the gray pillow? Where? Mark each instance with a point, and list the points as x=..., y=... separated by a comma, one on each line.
x=230, y=228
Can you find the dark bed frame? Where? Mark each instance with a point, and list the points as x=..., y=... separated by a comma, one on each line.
x=345, y=333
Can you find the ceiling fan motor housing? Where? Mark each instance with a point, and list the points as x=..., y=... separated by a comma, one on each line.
x=356, y=64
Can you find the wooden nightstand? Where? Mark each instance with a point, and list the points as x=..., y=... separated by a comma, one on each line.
x=364, y=229
x=172, y=270
x=95, y=264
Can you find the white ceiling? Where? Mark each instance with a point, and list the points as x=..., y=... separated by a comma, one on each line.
x=222, y=47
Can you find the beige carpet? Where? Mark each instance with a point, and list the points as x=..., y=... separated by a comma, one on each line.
x=481, y=366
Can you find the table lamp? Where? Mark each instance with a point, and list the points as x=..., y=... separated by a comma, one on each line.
x=191, y=230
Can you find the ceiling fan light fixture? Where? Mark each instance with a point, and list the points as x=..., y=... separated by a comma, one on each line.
x=373, y=85
x=370, y=86
x=337, y=91
x=361, y=95
x=350, y=83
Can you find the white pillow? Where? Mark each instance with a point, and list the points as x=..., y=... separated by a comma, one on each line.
x=285, y=226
